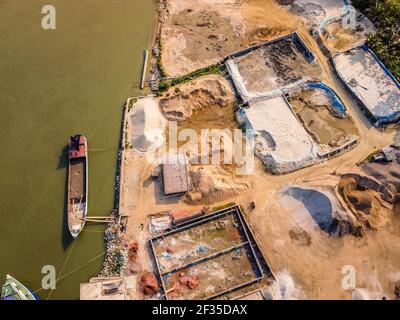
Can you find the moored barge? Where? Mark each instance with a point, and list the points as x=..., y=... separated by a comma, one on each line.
x=77, y=184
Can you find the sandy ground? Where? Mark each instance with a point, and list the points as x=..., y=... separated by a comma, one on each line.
x=179, y=103
x=294, y=241
x=198, y=33
x=312, y=257
x=315, y=111
x=338, y=39
x=315, y=12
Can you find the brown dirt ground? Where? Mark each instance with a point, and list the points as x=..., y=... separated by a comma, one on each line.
x=179, y=103
x=339, y=39
x=323, y=125
x=199, y=33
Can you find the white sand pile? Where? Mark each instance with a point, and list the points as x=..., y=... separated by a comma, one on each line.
x=147, y=125
x=281, y=142
x=316, y=208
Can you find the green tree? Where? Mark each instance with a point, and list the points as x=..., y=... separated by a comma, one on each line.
x=385, y=14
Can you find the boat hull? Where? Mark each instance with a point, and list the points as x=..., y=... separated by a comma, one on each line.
x=77, y=184
x=15, y=290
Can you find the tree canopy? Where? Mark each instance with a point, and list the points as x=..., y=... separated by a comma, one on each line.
x=385, y=14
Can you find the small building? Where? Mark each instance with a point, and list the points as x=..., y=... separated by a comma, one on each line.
x=103, y=289
x=175, y=174
x=387, y=154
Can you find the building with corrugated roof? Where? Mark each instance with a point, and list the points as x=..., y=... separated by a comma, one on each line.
x=175, y=174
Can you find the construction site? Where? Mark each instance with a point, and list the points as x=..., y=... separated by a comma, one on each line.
x=323, y=190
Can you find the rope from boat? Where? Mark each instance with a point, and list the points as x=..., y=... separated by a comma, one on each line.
x=63, y=267
x=76, y=269
x=93, y=231
x=103, y=149
x=82, y=266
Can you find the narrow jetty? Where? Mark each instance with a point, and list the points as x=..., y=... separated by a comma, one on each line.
x=143, y=79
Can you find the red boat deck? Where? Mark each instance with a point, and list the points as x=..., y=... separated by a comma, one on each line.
x=77, y=147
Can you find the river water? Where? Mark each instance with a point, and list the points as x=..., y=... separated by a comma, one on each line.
x=53, y=84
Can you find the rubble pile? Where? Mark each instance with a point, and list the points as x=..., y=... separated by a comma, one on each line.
x=117, y=254
x=149, y=284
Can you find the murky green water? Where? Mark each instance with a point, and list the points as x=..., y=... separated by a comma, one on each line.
x=53, y=84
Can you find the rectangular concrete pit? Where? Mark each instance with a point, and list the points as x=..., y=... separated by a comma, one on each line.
x=218, y=251
x=323, y=115
x=270, y=68
x=375, y=89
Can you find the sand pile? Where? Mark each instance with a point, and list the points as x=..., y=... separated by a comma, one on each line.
x=338, y=39
x=316, y=207
x=179, y=103
x=281, y=142
x=214, y=183
x=366, y=78
x=147, y=125
x=366, y=201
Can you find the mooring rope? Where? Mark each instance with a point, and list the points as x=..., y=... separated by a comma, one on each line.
x=63, y=267
x=74, y=270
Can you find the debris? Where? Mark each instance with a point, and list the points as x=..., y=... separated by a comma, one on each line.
x=160, y=223
x=133, y=247
x=149, y=284
x=170, y=250
x=190, y=281
x=166, y=256
x=181, y=215
x=201, y=249
x=252, y=205
x=387, y=154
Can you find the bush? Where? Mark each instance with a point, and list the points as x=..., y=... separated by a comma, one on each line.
x=213, y=69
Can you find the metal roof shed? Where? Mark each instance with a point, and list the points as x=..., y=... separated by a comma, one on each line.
x=175, y=174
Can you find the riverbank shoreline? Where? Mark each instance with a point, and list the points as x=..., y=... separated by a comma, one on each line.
x=116, y=248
